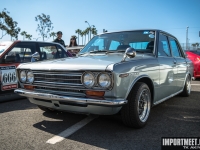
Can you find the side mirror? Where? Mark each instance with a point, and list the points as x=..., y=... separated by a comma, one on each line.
x=130, y=53
x=9, y=59
x=36, y=56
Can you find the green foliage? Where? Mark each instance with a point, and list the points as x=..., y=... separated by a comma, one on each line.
x=85, y=32
x=25, y=35
x=8, y=25
x=44, y=25
x=52, y=34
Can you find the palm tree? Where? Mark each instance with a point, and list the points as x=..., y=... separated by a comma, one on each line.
x=87, y=32
x=78, y=31
x=81, y=34
x=94, y=31
x=23, y=33
x=197, y=45
x=28, y=36
x=52, y=34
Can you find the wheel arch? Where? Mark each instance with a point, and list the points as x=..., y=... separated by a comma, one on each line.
x=145, y=79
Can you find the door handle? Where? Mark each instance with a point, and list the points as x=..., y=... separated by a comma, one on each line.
x=174, y=62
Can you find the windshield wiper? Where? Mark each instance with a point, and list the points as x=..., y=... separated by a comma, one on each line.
x=99, y=51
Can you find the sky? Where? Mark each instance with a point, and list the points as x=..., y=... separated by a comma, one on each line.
x=172, y=16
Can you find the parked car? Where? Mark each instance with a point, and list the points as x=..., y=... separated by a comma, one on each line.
x=194, y=56
x=13, y=53
x=124, y=72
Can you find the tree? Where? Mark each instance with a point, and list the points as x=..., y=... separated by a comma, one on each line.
x=44, y=25
x=193, y=45
x=81, y=34
x=78, y=31
x=52, y=34
x=25, y=35
x=28, y=36
x=87, y=32
x=8, y=25
x=197, y=45
x=94, y=31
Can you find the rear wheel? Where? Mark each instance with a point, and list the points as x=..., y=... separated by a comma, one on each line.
x=136, y=112
x=187, y=87
x=45, y=108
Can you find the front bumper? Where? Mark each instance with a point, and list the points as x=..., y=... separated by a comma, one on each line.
x=76, y=100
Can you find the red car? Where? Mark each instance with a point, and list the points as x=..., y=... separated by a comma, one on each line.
x=194, y=56
x=13, y=53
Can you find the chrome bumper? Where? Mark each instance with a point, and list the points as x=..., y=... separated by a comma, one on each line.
x=89, y=101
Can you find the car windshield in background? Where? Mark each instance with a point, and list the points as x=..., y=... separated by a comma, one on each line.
x=141, y=41
x=4, y=46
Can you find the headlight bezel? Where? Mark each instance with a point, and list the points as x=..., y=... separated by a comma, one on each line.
x=23, y=81
x=94, y=79
x=98, y=80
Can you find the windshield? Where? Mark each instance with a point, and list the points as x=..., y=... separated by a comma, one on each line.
x=4, y=46
x=141, y=41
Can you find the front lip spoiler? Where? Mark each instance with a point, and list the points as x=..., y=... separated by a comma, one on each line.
x=89, y=101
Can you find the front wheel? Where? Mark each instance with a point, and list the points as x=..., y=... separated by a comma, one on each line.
x=136, y=112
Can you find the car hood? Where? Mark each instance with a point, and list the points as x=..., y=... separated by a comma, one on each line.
x=89, y=62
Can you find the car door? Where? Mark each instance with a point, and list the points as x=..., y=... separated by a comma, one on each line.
x=168, y=71
x=181, y=64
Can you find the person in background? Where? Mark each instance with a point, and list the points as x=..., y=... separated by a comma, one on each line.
x=72, y=44
x=59, y=39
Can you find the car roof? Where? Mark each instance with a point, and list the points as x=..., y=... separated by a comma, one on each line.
x=148, y=29
x=36, y=42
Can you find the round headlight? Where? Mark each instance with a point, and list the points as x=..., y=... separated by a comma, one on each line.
x=23, y=76
x=30, y=77
x=104, y=80
x=88, y=79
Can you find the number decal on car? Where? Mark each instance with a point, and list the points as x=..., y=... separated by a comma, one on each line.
x=8, y=78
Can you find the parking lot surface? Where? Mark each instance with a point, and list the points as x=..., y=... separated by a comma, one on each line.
x=24, y=126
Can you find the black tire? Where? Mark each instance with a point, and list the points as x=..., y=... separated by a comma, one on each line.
x=45, y=108
x=187, y=87
x=130, y=114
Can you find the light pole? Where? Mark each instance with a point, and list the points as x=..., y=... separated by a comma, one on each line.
x=187, y=37
x=90, y=28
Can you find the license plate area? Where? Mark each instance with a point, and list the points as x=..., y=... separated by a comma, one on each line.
x=8, y=78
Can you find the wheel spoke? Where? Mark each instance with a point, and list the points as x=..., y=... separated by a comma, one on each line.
x=143, y=105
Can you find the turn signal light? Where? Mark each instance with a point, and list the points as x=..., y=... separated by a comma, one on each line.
x=95, y=93
x=29, y=87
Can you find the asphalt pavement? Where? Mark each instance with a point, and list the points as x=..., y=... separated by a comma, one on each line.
x=25, y=127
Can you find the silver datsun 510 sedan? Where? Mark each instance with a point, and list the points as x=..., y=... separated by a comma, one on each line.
x=124, y=72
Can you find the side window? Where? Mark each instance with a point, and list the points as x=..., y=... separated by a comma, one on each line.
x=61, y=52
x=174, y=47
x=163, y=46
x=48, y=51
x=23, y=52
x=114, y=45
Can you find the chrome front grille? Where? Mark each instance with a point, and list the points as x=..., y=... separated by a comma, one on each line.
x=58, y=79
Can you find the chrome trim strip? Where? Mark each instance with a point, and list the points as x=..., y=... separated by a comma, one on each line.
x=90, y=101
x=53, y=74
x=164, y=99
x=56, y=83
x=60, y=92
